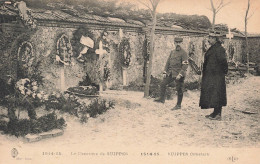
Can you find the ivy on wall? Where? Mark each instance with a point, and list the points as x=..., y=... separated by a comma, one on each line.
x=125, y=52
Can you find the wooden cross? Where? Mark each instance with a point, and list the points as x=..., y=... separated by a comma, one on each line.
x=101, y=51
x=229, y=35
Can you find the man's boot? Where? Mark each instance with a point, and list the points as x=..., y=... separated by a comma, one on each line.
x=179, y=100
x=216, y=115
x=176, y=107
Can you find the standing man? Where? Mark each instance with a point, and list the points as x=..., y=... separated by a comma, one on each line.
x=213, y=86
x=175, y=70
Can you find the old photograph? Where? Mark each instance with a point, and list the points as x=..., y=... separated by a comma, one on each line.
x=129, y=81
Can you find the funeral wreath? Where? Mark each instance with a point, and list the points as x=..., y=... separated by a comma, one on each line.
x=125, y=52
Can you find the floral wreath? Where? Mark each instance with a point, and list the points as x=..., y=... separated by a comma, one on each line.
x=69, y=50
x=204, y=46
x=107, y=72
x=125, y=52
x=31, y=58
x=105, y=40
x=191, y=49
x=231, y=51
x=146, y=49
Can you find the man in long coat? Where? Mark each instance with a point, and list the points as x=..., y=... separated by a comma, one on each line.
x=213, y=86
x=175, y=70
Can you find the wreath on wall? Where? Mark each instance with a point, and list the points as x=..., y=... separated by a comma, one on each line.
x=146, y=49
x=125, y=52
x=204, y=45
x=146, y=55
x=27, y=65
x=231, y=51
x=63, y=44
x=107, y=72
x=26, y=54
x=105, y=41
x=191, y=49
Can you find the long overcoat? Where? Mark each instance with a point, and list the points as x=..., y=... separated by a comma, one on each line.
x=213, y=86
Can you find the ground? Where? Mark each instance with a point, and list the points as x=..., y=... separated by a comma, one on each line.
x=136, y=121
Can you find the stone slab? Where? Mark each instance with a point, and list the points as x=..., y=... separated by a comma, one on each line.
x=57, y=132
x=33, y=137
x=44, y=135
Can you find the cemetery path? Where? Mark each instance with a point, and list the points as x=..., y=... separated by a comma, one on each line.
x=140, y=122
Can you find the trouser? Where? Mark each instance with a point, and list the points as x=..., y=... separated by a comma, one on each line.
x=217, y=110
x=179, y=84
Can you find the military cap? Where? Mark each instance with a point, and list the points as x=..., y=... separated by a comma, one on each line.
x=178, y=39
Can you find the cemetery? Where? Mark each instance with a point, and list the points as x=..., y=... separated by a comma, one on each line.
x=84, y=65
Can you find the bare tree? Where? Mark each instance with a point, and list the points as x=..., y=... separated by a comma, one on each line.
x=216, y=9
x=247, y=17
x=152, y=6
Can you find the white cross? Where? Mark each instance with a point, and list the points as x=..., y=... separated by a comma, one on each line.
x=101, y=51
x=121, y=34
x=229, y=35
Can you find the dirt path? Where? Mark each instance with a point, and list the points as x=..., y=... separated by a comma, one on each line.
x=149, y=123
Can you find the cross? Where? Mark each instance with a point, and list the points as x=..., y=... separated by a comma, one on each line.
x=8, y=2
x=229, y=35
x=100, y=51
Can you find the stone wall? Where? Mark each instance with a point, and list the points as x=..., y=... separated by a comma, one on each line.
x=44, y=42
x=11, y=36
x=164, y=44
x=254, y=49
x=238, y=44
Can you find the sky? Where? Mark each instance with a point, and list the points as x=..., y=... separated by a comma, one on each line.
x=233, y=14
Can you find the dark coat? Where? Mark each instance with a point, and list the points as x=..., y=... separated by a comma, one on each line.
x=177, y=63
x=213, y=86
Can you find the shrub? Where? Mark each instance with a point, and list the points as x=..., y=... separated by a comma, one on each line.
x=96, y=107
x=192, y=85
x=26, y=126
x=3, y=125
x=66, y=103
x=154, y=91
x=70, y=104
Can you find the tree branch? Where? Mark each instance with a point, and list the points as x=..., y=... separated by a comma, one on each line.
x=152, y=2
x=250, y=15
x=222, y=5
x=146, y=5
x=247, y=10
x=212, y=5
x=157, y=3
